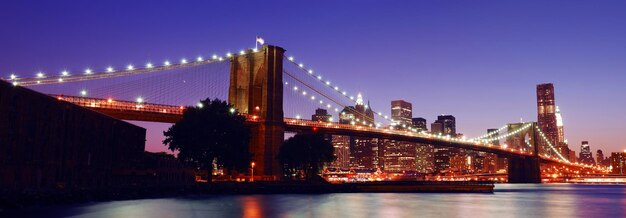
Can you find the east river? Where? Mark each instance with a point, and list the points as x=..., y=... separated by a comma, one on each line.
x=509, y=200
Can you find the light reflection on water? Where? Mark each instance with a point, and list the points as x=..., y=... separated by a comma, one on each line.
x=551, y=200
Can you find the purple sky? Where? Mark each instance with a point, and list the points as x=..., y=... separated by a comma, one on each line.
x=477, y=60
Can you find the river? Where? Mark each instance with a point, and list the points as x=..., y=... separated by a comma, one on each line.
x=509, y=200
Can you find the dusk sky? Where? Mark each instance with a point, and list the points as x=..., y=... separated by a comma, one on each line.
x=477, y=60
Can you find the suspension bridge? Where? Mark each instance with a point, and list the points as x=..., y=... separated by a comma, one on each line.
x=273, y=91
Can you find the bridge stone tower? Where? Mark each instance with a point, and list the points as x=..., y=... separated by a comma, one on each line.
x=256, y=88
x=526, y=169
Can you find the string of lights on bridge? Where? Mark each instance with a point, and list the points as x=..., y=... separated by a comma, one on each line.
x=328, y=83
x=545, y=139
x=490, y=133
x=110, y=72
x=524, y=127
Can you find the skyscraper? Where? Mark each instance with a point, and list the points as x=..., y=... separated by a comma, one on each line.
x=359, y=114
x=618, y=163
x=445, y=125
x=342, y=151
x=363, y=151
x=585, y=153
x=419, y=123
x=401, y=113
x=546, y=115
x=599, y=157
x=321, y=115
x=448, y=124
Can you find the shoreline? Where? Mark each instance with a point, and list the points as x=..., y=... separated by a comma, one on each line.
x=61, y=197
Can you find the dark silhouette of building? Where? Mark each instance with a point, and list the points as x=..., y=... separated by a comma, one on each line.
x=401, y=113
x=546, y=115
x=419, y=123
x=585, y=155
x=46, y=143
x=321, y=115
x=600, y=159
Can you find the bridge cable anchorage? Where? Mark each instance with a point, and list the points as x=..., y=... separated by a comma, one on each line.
x=309, y=72
x=545, y=139
x=110, y=72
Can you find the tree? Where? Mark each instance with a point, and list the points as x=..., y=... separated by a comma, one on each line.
x=305, y=154
x=211, y=131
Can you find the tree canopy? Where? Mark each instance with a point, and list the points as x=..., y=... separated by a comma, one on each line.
x=304, y=155
x=210, y=131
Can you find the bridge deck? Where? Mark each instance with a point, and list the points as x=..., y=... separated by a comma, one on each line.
x=128, y=110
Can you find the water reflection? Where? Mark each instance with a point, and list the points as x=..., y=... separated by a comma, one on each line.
x=554, y=200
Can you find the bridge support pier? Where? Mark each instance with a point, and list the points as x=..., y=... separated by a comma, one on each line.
x=524, y=170
x=256, y=88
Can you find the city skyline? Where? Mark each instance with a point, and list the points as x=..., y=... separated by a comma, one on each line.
x=490, y=77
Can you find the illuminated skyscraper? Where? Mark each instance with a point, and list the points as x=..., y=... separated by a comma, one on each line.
x=561, y=144
x=585, y=153
x=618, y=163
x=401, y=113
x=342, y=151
x=546, y=115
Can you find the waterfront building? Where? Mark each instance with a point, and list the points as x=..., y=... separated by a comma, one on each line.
x=341, y=143
x=618, y=163
x=398, y=156
x=424, y=160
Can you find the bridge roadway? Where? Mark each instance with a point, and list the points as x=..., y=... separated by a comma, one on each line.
x=128, y=110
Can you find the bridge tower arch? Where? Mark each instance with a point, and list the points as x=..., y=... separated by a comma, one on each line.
x=256, y=88
x=526, y=169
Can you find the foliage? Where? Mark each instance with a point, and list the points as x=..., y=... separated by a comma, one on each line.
x=304, y=155
x=210, y=131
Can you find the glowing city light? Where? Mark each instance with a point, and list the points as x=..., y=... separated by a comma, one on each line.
x=167, y=63
x=149, y=65
x=13, y=76
x=65, y=73
x=130, y=67
x=199, y=59
x=88, y=71
x=109, y=69
x=83, y=93
x=290, y=58
x=139, y=100
x=183, y=61
x=40, y=75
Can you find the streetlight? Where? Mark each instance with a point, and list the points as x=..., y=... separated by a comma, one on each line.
x=252, y=169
